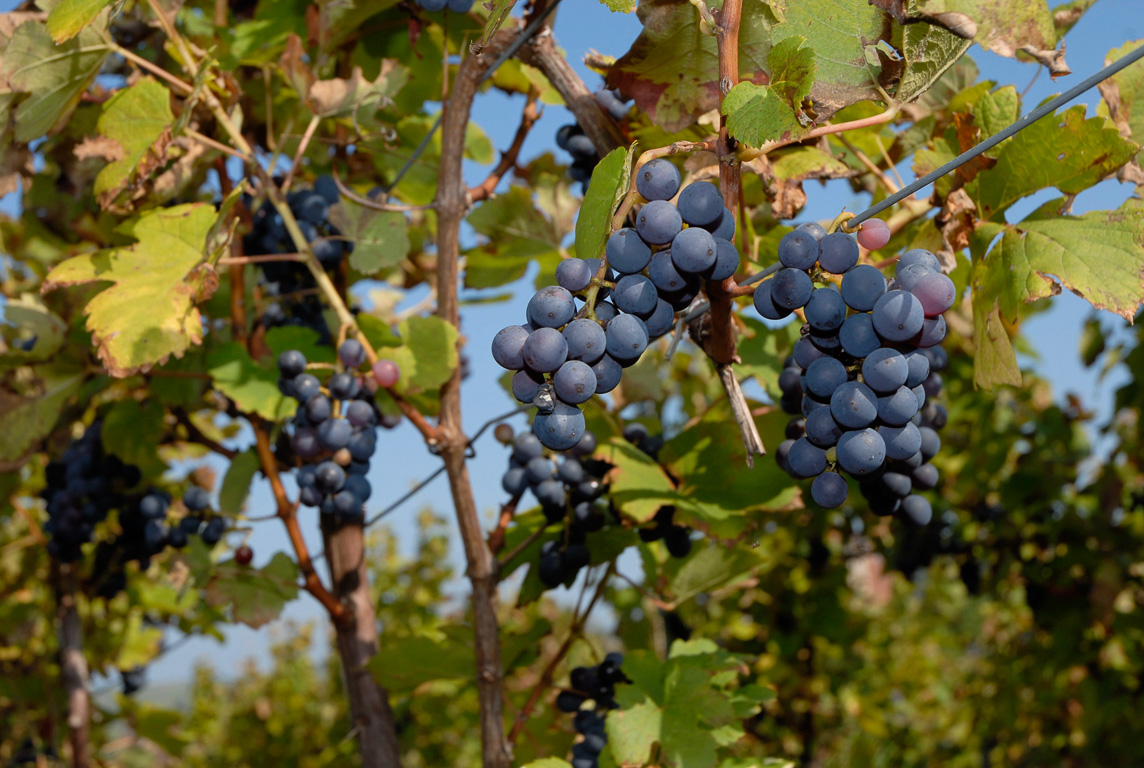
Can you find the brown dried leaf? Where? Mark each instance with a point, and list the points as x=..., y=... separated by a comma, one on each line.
x=100, y=148
x=956, y=221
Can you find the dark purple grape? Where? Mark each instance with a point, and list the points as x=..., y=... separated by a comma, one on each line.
x=664, y=274
x=822, y=429
x=901, y=442
x=661, y=320
x=291, y=363
x=626, y=252
x=861, y=452
x=936, y=293
x=305, y=386
x=918, y=368
x=319, y=408
x=862, y=286
x=658, y=179
x=829, y=490
x=898, y=316
x=854, y=405
x=526, y=447
x=898, y=408
x=917, y=509
x=816, y=230
x=933, y=332
x=196, y=499
x=857, y=335
x=561, y=429
x=726, y=260
x=723, y=227
x=585, y=340
x=765, y=305
x=700, y=204
x=608, y=374
x=344, y=386
x=885, y=370
x=351, y=353
x=544, y=350
x=574, y=275
x=626, y=337
x=635, y=294
x=824, y=376
x=514, y=481
x=658, y=222
x=798, y=250
x=334, y=434
x=791, y=288
x=918, y=256
x=826, y=310
x=806, y=459
x=925, y=477
x=551, y=307
x=360, y=414
x=838, y=253
x=574, y=382
x=526, y=385
x=329, y=477
x=693, y=251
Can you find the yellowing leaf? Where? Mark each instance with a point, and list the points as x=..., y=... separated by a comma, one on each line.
x=148, y=313
x=138, y=119
x=69, y=17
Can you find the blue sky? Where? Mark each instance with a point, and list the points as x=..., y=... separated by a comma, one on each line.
x=581, y=27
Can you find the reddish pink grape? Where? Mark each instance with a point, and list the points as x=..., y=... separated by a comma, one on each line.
x=386, y=373
x=874, y=234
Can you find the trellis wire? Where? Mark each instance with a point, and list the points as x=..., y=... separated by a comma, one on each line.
x=1020, y=125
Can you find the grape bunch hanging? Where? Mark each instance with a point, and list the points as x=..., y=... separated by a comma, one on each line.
x=335, y=428
x=598, y=685
x=861, y=373
x=87, y=484
x=572, y=139
x=567, y=351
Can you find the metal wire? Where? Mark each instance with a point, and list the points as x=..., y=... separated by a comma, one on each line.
x=1041, y=111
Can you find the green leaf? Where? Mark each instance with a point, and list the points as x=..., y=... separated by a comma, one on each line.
x=148, y=313
x=140, y=645
x=498, y=13
x=929, y=50
x=236, y=482
x=67, y=19
x=620, y=6
x=1097, y=256
x=427, y=356
x=995, y=111
x=713, y=566
x=594, y=223
x=27, y=313
x=517, y=232
x=138, y=120
x=1004, y=27
x=132, y=430
x=757, y=114
x=639, y=486
x=27, y=420
x=54, y=76
x=1064, y=151
x=380, y=238
x=253, y=389
x=256, y=595
x=403, y=663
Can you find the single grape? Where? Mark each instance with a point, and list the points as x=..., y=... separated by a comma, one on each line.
x=551, y=307
x=658, y=179
x=291, y=363
x=806, y=353
x=325, y=186
x=574, y=382
x=658, y=222
x=861, y=452
x=539, y=469
x=898, y=408
x=838, y=253
x=894, y=484
x=862, y=286
x=824, y=376
x=918, y=368
x=585, y=340
x=319, y=408
x=700, y=203
x=791, y=288
x=724, y=227
x=433, y=6
x=825, y=310
x=565, y=133
x=816, y=230
x=798, y=249
x=545, y=350
x=526, y=385
x=574, y=275
x=605, y=312
x=661, y=320
x=213, y=532
x=782, y=454
x=460, y=6
x=344, y=386
x=525, y=448
x=898, y=316
x=626, y=252
x=243, y=555
x=917, y=509
x=608, y=374
x=677, y=540
x=795, y=428
x=931, y=443
x=909, y=276
x=726, y=260
x=932, y=385
x=329, y=477
x=514, y=482
x=925, y=477
x=360, y=414
x=561, y=429
x=351, y=353
x=635, y=294
x=935, y=291
x=571, y=471
x=806, y=459
x=854, y=405
x=873, y=234
x=626, y=338
x=901, y=442
x=361, y=445
x=829, y=490
x=586, y=446
x=693, y=251
x=822, y=429
x=932, y=333
x=938, y=358
x=305, y=442
x=610, y=102
x=359, y=487
x=918, y=256
x=582, y=148
x=334, y=434
x=885, y=370
x=664, y=274
x=152, y=507
x=857, y=335
x=789, y=381
x=386, y=372
x=196, y=499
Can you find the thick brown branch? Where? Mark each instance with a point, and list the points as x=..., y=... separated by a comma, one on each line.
x=541, y=52
x=508, y=159
x=73, y=666
x=286, y=512
x=452, y=203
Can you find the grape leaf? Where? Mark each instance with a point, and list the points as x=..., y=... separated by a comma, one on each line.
x=339, y=97
x=54, y=76
x=639, y=486
x=929, y=51
x=256, y=595
x=517, y=233
x=427, y=355
x=131, y=430
x=305, y=340
x=27, y=420
x=549, y=762
x=140, y=644
x=148, y=313
x=594, y=223
x=380, y=238
x=757, y=114
x=69, y=17
x=253, y=389
x=138, y=119
x=712, y=567
x=1064, y=151
x=403, y=663
x=800, y=163
x=1123, y=93
x=1097, y=256
x=236, y=482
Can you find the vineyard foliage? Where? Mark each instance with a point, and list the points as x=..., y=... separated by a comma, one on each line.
x=213, y=213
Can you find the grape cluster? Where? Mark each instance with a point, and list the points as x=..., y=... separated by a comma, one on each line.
x=599, y=685
x=290, y=283
x=335, y=428
x=861, y=374
x=569, y=491
x=564, y=354
x=571, y=137
x=86, y=485
x=456, y=6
